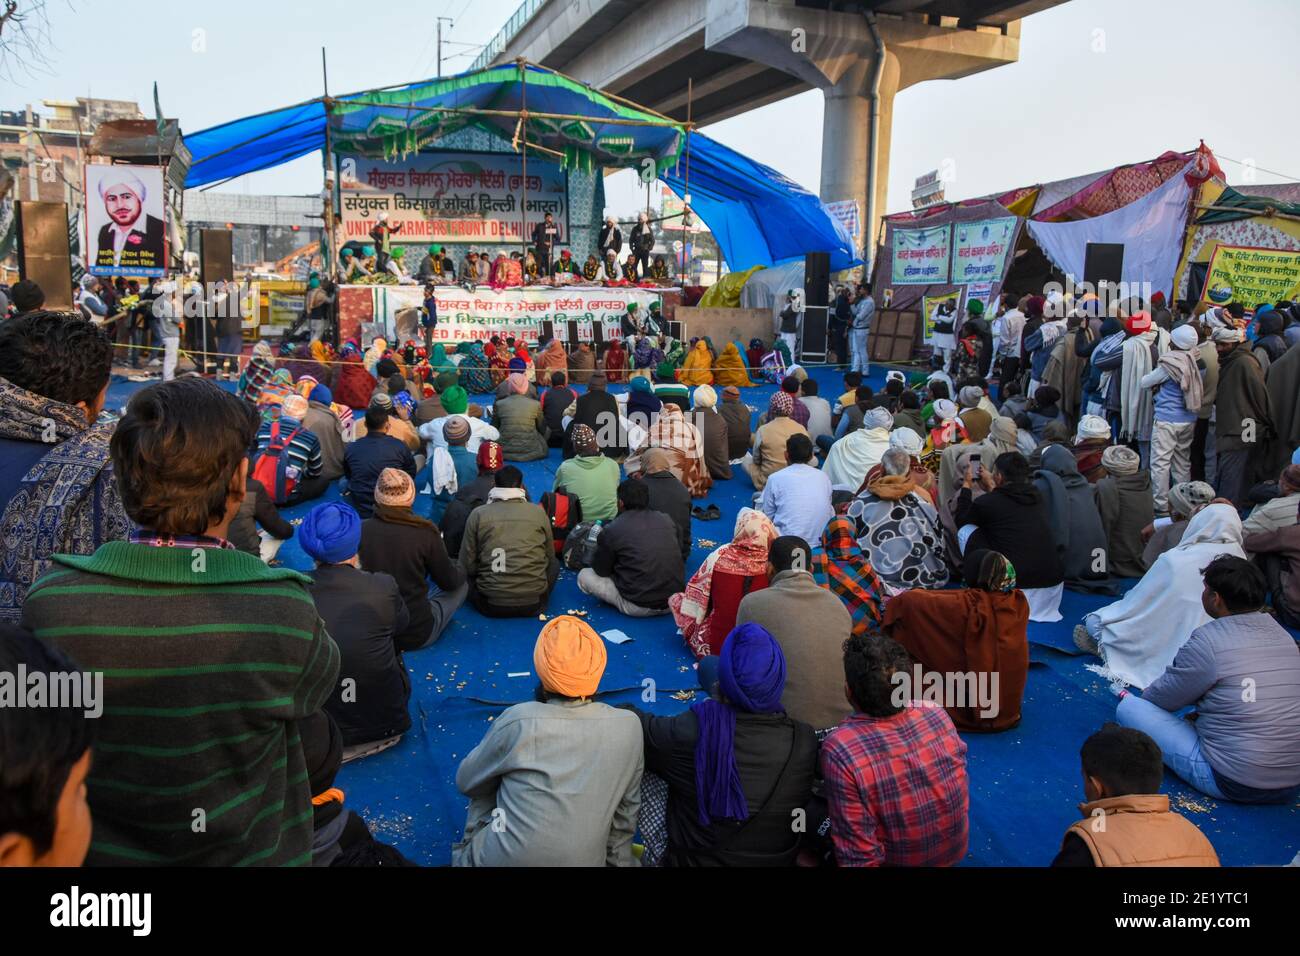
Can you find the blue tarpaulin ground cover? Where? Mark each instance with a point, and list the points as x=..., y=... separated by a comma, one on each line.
x=1025, y=783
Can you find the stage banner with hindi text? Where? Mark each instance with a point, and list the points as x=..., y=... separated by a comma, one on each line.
x=980, y=250
x=921, y=256
x=465, y=316
x=1252, y=275
x=463, y=197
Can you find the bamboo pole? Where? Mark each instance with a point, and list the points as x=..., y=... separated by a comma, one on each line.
x=523, y=153
x=483, y=111
x=686, y=186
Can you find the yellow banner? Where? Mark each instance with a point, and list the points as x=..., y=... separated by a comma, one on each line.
x=928, y=304
x=1251, y=276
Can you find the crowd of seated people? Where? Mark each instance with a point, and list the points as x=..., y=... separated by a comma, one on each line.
x=889, y=537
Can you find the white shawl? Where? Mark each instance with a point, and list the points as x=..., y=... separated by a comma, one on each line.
x=854, y=455
x=1143, y=631
x=1137, y=404
x=444, y=471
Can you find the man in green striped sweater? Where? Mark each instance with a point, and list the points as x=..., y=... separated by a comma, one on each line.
x=209, y=656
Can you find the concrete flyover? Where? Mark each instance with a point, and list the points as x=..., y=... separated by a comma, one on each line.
x=742, y=54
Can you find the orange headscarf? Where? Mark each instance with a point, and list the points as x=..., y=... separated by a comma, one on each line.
x=569, y=657
x=696, y=369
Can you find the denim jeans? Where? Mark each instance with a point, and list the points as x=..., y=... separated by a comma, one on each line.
x=858, y=351
x=1177, y=739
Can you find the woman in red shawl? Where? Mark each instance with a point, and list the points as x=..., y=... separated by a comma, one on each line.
x=706, y=610
x=978, y=630
x=354, y=384
x=615, y=362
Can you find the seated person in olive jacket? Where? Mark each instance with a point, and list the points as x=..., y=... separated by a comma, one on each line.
x=508, y=551
x=363, y=612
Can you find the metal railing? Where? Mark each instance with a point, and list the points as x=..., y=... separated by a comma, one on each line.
x=508, y=32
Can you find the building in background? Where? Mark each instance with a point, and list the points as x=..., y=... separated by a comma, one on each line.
x=272, y=234
x=44, y=152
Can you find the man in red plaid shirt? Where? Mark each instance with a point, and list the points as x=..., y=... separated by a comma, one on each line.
x=895, y=772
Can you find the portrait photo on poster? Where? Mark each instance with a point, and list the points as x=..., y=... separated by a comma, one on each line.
x=125, y=220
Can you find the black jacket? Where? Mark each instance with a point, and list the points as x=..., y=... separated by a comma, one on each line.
x=639, y=550
x=362, y=612
x=611, y=237
x=643, y=239
x=365, y=458
x=458, y=511
x=412, y=556
x=669, y=496
x=257, y=508
x=554, y=402
x=145, y=252
x=776, y=757
x=598, y=410
x=1010, y=520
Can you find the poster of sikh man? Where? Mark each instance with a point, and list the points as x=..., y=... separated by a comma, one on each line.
x=124, y=207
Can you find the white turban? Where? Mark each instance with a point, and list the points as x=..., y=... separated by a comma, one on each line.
x=904, y=439
x=877, y=418
x=1229, y=335
x=1091, y=426
x=1184, y=338
x=122, y=176
x=945, y=410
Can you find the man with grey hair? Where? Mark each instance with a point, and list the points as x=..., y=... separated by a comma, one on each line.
x=896, y=462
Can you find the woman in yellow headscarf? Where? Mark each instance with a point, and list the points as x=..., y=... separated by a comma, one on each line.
x=731, y=368
x=697, y=370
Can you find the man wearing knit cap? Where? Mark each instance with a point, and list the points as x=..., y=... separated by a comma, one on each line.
x=304, y=465
x=489, y=461
x=590, y=476
x=455, y=402
x=399, y=542
x=1179, y=377
x=322, y=422
x=456, y=433
x=363, y=612
x=1125, y=503
x=1243, y=420
x=738, y=417
x=555, y=781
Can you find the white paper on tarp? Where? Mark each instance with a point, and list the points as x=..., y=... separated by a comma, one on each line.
x=766, y=288
x=1151, y=230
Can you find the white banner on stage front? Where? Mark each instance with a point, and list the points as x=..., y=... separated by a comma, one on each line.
x=519, y=312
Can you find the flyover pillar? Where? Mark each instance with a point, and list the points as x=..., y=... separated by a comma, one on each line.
x=834, y=51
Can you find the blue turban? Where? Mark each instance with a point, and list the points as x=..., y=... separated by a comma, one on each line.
x=331, y=533
x=321, y=394
x=751, y=672
x=518, y=365
x=640, y=384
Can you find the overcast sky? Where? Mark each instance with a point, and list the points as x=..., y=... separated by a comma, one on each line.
x=1099, y=83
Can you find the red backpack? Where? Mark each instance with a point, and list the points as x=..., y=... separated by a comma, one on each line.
x=271, y=465
x=565, y=511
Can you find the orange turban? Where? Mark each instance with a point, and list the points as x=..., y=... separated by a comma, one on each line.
x=569, y=657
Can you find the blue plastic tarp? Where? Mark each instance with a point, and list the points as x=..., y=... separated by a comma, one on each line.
x=757, y=215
